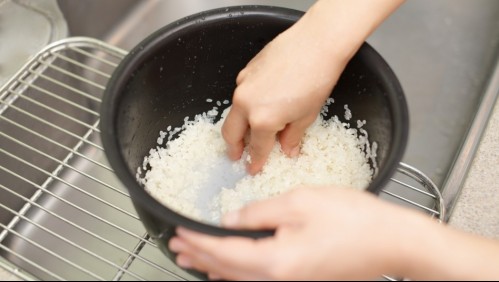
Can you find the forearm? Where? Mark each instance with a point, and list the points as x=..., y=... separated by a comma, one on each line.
x=339, y=27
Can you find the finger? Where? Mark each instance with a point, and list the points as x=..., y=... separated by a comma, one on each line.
x=239, y=275
x=196, y=260
x=187, y=257
x=221, y=252
x=191, y=257
x=214, y=276
x=290, y=138
x=177, y=245
x=233, y=132
x=266, y=214
x=215, y=269
x=260, y=146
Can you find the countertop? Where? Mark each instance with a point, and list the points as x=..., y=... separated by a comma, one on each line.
x=477, y=208
x=7, y=276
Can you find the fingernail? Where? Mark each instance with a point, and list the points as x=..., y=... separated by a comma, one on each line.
x=231, y=219
x=184, y=261
x=174, y=245
x=234, y=152
x=251, y=169
x=295, y=151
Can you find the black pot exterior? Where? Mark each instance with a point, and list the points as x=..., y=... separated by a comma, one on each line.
x=172, y=73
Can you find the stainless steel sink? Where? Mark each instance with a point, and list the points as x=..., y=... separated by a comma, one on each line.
x=443, y=53
x=63, y=213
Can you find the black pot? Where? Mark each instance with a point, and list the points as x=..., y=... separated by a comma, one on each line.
x=170, y=74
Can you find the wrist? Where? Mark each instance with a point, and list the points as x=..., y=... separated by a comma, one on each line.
x=426, y=250
x=417, y=246
x=407, y=243
x=340, y=27
x=446, y=253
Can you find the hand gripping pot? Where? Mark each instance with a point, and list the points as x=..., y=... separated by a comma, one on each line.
x=172, y=73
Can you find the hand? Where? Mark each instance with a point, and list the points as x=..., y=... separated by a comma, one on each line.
x=337, y=234
x=278, y=95
x=321, y=233
x=280, y=92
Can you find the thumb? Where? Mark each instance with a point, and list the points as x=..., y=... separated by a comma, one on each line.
x=267, y=214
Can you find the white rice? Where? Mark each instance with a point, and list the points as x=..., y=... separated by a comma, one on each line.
x=193, y=176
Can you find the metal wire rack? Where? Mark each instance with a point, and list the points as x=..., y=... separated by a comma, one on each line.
x=63, y=213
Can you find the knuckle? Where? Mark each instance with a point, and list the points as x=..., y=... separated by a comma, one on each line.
x=239, y=98
x=240, y=76
x=256, y=149
x=264, y=121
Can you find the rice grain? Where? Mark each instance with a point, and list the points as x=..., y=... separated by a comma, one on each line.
x=192, y=175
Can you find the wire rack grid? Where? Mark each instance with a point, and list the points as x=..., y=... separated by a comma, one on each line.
x=63, y=213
